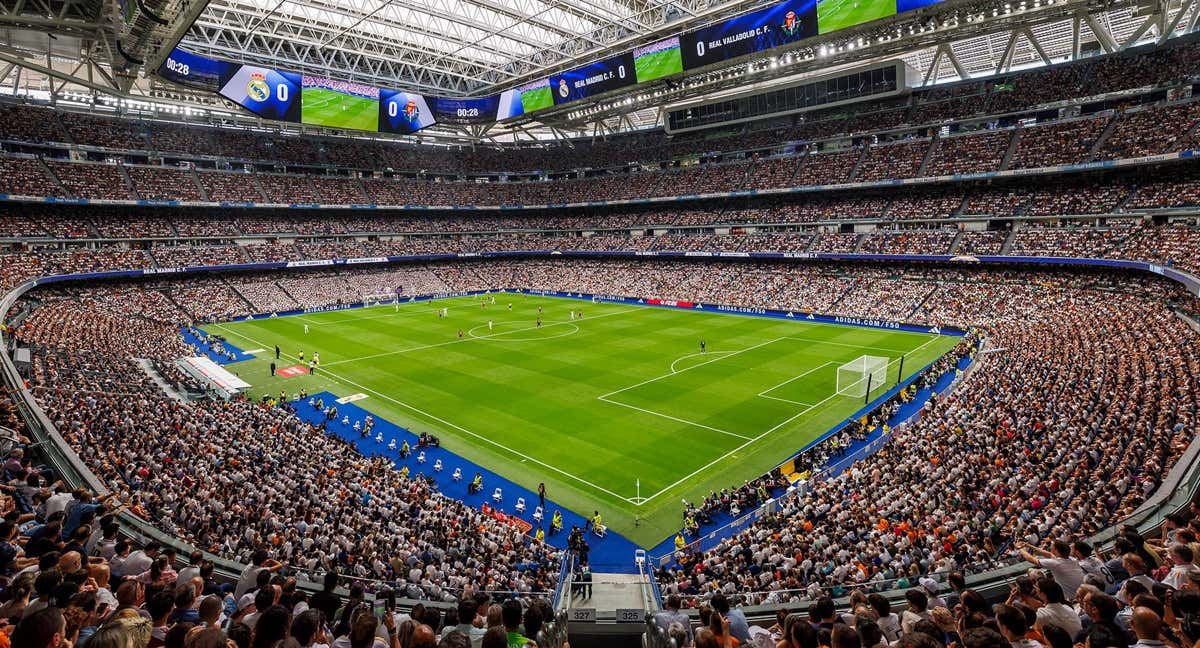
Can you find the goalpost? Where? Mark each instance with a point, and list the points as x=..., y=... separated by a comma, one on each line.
x=379, y=298
x=864, y=373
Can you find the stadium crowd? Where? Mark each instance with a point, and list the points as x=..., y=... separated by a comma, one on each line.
x=198, y=469
x=1027, y=474
x=1172, y=244
x=1069, y=140
x=1084, y=390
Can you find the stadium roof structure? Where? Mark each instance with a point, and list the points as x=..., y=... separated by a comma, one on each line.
x=477, y=47
x=461, y=48
x=447, y=47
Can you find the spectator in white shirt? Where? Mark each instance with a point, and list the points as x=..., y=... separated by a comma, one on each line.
x=1083, y=554
x=1136, y=567
x=918, y=609
x=888, y=621
x=185, y=575
x=259, y=561
x=59, y=500
x=140, y=560
x=1056, y=612
x=1065, y=570
x=1182, y=567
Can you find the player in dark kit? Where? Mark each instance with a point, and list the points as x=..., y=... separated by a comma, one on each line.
x=701, y=346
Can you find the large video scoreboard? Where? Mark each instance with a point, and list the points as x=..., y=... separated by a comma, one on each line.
x=286, y=96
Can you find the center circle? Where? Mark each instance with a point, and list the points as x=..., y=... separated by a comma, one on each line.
x=505, y=337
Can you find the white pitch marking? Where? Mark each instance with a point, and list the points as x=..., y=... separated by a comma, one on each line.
x=668, y=416
x=700, y=364
x=731, y=453
x=764, y=392
x=693, y=355
x=497, y=336
x=466, y=339
x=433, y=417
x=741, y=447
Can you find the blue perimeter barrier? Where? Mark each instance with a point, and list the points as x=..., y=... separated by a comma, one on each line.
x=725, y=524
x=612, y=553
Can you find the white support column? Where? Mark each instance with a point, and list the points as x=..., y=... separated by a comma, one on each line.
x=1037, y=46
x=1194, y=21
x=1174, y=22
x=1102, y=35
x=958, y=66
x=931, y=71
x=1149, y=22
x=1075, y=27
x=1008, y=52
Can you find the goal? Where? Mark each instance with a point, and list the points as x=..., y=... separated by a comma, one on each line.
x=381, y=298
x=862, y=373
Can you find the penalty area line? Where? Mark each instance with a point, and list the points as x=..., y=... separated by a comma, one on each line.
x=761, y=436
x=741, y=447
x=668, y=416
x=768, y=390
x=716, y=354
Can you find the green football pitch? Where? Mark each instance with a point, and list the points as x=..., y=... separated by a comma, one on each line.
x=595, y=406
x=657, y=65
x=833, y=15
x=324, y=107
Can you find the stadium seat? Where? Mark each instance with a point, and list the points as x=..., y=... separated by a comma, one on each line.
x=538, y=515
x=457, y=476
x=437, y=466
x=520, y=505
x=497, y=495
x=421, y=457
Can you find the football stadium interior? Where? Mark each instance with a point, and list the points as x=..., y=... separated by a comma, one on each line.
x=592, y=323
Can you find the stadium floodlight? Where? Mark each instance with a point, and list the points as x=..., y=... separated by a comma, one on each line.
x=863, y=374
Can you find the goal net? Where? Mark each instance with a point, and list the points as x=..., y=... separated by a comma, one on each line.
x=854, y=377
x=380, y=298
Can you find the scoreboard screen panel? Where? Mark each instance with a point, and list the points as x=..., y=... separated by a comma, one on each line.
x=658, y=60
x=196, y=71
x=524, y=99
x=593, y=79
x=784, y=23
x=466, y=111
x=339, y=104
x=270, y=94
x=403, y=112
x=833, y=15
